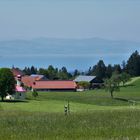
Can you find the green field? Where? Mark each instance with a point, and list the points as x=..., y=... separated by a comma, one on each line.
x=93, y=115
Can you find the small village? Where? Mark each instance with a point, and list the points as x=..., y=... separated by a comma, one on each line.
x=35, y=82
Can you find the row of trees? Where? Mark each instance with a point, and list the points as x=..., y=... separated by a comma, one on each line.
x=51, y=73
x=132, y=67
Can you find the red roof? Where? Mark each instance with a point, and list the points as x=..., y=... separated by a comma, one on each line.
x=17, y=72
x=54, y=85
x=28, y=80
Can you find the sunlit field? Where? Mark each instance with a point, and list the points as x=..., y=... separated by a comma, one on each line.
x=93, y=115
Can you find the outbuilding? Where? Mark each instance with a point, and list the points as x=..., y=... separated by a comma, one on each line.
x=54, y=85
x=94, y=81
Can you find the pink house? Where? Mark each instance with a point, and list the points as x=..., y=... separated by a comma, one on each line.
x=20, y=91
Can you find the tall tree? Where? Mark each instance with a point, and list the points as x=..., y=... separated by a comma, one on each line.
x=76, y=73
x=112, y=85
x=7, y=82
x=117, y=69
x=63, y=74
x=52, y=73
x=124, y=77
x=33, y=70
x=99, y=69
x=109, y=71
x=133, y=64
x=123, y=66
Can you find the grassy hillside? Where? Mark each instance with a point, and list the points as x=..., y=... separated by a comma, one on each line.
x=103, y=125
x=94, y=115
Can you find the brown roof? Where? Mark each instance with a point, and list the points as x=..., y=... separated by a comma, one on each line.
x=54, y=85
x=29, y=80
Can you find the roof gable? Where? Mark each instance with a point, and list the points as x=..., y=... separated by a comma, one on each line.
x=84, y=78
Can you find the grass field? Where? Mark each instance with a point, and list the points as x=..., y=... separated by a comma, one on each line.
x=93, y=115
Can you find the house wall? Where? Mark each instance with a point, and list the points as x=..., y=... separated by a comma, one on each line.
x=16, y=96
x=20, y=95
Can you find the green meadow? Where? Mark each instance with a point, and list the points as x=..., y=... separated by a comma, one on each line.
x=93, y=116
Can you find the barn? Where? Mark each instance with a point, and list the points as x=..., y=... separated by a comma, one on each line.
x=94, y=81
x=54, y=85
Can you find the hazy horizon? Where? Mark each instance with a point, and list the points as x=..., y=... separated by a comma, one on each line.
x=75, y=33
x=72, y=53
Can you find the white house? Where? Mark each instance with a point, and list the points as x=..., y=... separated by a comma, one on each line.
x=20, y=92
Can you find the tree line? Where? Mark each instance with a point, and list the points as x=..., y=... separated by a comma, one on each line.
x=112, y=75
x=131, y=67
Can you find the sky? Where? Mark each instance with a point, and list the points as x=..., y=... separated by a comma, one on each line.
x=108, y=19
x=31, y=20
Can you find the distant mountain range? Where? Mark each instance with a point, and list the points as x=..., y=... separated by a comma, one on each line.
x=73, y=53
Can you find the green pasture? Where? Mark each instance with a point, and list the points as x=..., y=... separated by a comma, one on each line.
x=93, y=115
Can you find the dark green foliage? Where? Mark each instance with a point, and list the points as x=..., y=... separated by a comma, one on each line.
x=124, y=77
x=117, y=69
x=35, y=93
x=29, y=71
x=55, y=74
x=99, y=70
x=52, y=73
x=76, y=73
x=44, y=72
x=7, y=82
x=84, y=85
x=112, y=84
x=33, y=70
x=133, y=64
x=109, y=70
x=63, y=74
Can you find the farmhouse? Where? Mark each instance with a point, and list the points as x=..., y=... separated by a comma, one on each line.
x=54, y=86
x=29, y=80
x=94, y=81
x=20, y=92
x=16, y=72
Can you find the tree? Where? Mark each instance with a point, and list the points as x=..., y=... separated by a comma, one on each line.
x=7, y=82
x=64, y=74
x=116, y=77
x=34, y=93
x=84, y=84
x=109, y=71
x=76, y=73
x=27, y=71
x=123, y=66
x=33, y=70
x=99, y=69
x=124, y=77
x=112, y=85
x=117, y=69
x=133, y=64
x=52, y=73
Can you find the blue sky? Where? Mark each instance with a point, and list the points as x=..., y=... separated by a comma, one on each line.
x=77, y=19
x=109, y=19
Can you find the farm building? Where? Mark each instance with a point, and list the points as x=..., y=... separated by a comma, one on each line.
x=29, y=80
x=20, y=92
x=54, y=86
x=16, y=72
x=94, y=81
